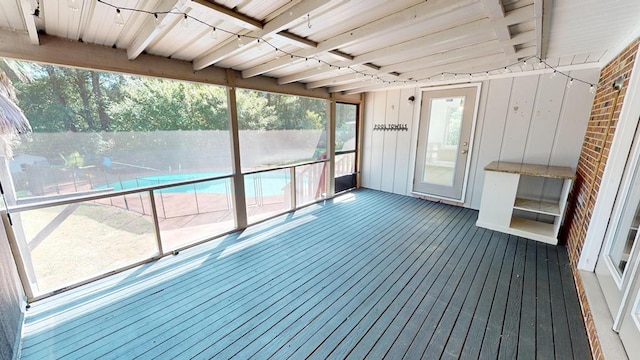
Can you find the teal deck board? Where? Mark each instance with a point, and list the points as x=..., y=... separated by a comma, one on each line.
x=544, y=328
x=527, y=334
x=412, y=325
x=278, y=330
x=334, y=283
x=430, y=323
x=310, y=332
x=345, y=344
x=210, y=317
x=511, y=325
x=452, y=315
x=473, y=343
x=199, y=279
x=367, y=275
x=573, y=313
x=461, y=326
x=491, y=342
x=561, y=334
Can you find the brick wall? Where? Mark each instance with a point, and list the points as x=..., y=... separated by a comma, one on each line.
x=593, y=158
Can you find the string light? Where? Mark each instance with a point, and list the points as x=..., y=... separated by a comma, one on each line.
x=118, y=19
x=185, y=21
x=278, y=52
x=73, y=5
x=570, y=83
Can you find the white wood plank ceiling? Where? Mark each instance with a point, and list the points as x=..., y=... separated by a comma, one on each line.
x=346, y=46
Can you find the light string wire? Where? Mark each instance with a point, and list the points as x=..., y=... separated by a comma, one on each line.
x=542, y=64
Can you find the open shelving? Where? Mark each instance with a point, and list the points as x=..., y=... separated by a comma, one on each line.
x=504, y=208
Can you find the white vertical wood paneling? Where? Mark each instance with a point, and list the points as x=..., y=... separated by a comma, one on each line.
x=518, y=118
x=532, y=119
x=377, y=141
x=571, y=120
x=403, y=145
x=392, y=112
x=489, y=130
x=542, y=133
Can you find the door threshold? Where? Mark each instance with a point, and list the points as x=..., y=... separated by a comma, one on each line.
x=440, y=199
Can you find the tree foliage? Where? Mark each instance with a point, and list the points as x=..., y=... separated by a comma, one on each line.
x=60, y=99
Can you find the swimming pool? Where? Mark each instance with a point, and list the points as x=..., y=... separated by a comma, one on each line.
x=265, y=184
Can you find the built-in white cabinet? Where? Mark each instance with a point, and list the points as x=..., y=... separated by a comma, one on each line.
x=505, y=207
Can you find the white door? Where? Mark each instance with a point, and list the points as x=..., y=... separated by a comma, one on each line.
x=444, y=141
x=617, y=267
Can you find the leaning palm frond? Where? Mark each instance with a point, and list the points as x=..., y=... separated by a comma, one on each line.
x=12, y=119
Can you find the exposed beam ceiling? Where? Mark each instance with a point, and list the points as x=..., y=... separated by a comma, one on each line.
x=395, y=41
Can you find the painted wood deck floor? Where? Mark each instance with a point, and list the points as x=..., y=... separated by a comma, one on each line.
x=367, y=275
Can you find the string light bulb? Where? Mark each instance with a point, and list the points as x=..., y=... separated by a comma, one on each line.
x=259, y=45
x=570, y=83
x=185, y=21
x=119, y=20
x=214, y=33
x=523, y=64
x=73, y=5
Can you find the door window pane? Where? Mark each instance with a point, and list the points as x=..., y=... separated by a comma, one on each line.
x=346, y=117
x=623, y=242
x=443, y=139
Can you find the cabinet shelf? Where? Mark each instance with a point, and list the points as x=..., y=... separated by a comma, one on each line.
x=537, y=206
x=531, y=226
x=504, y=209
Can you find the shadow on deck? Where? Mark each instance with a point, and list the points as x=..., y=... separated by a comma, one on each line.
x=369, y=274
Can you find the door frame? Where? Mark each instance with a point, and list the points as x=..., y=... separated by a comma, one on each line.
x=417, y=105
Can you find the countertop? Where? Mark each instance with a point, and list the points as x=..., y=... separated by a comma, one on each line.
x=554, y=172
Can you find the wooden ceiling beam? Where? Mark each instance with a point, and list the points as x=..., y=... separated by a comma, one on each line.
x=231, y=15
x=565, y=69
x=468, y=34
x=414, y=14
x=30, y=20
x=276, y=25
x=150, y=31
x=495, y=12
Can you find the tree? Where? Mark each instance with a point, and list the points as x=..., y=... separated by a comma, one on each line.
x=154, y=104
